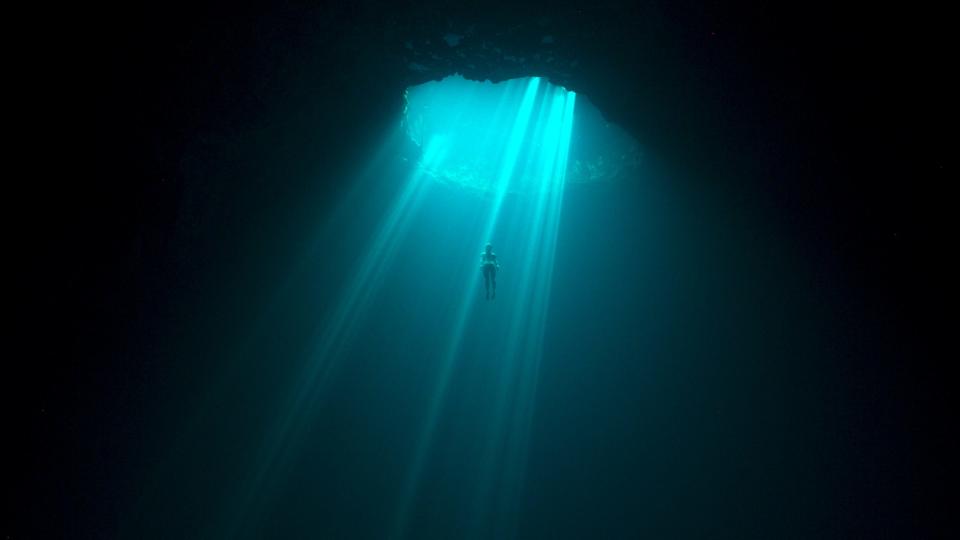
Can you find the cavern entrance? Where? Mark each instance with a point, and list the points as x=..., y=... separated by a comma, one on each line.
x=482, y=135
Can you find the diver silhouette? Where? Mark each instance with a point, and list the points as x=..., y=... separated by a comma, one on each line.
x=489, y=264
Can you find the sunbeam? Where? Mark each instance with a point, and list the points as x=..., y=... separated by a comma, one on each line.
x=534, y=228
x=494, y=146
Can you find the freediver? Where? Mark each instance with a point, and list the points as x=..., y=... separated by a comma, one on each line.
x=489, y=264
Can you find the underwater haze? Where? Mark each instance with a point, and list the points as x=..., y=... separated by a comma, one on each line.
x=641, y=370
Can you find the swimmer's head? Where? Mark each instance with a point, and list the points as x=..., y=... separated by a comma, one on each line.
x=489, y=248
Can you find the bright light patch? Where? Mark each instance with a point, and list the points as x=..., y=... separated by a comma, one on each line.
x=484, y=125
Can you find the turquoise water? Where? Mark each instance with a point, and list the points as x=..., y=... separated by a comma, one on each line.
x=628, y=375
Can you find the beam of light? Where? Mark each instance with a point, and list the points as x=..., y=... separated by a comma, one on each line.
x=336, y=332
x=523, y=147
x=500, y=186
x=502, y=467
x=523, y=306
x=515, y=464
x=509, y=161
x=518, y=366
x=389, y=146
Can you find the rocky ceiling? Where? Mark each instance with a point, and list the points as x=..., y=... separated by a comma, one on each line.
x=697, y=82
x=675, y=77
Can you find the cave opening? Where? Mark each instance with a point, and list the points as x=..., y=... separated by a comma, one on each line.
x=475, y=125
